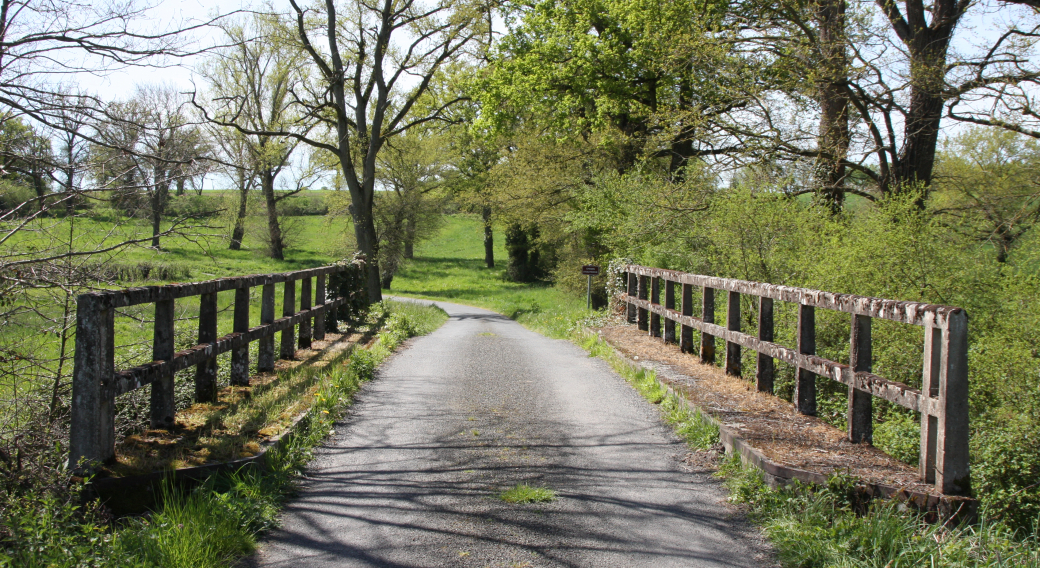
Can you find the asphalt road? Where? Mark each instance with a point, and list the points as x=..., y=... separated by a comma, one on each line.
x=412, y=474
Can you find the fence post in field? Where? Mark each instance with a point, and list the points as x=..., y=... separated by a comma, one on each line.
x=655, y=299
x=162, y=402
x=764, y=369
x=686, y=332
x=733, y=324
x=206, y=371
x=92, y=427
x=944, y=438
x=708, y=316
x=805, y=381
x=288, y=344
x=642, y=324
x=633, y=290
x=265, y=345
x=669, y=303
x=860, y=413
x=240, y=356
x=305, y=304
x=319, y=300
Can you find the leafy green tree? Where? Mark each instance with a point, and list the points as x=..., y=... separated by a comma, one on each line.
x=413, y=171
x=641, y=74
x=25, y=161
x=987, y=181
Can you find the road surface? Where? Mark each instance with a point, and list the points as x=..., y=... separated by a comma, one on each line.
x=411, y=476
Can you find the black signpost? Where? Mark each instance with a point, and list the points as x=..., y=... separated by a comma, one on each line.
x=589, y=270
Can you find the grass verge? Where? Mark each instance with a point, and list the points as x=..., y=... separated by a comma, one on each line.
x=220, y=520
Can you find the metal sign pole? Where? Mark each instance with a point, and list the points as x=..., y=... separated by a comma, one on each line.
x=588, y=304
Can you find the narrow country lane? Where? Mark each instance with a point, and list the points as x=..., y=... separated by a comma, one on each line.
x=411, y=476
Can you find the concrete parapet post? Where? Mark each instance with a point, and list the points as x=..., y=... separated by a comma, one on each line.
x=92, y=427
x=764, y=370
x=240, y=356
x=708, y=316
x=805, y=380
x=288, y=340
x=162, y=401
x=265, y=345
x=861, y=406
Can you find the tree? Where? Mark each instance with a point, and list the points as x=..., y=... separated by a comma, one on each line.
x=986, y=181
x=251, y=86
x=375, y=63
x=147, y=145
x=25, y=159
x=888, y=67
x=640, y=75
x=412, y=168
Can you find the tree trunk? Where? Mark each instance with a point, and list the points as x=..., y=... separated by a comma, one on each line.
x=158, y=208
x=927, y=44
x=276, y=248
x=489, y=237
x=368, y=244
x=409, y=239
x=834, y=102
x=239, y=232
x=180, y=185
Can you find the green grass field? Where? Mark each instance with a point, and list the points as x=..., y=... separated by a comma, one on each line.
x=450, y=267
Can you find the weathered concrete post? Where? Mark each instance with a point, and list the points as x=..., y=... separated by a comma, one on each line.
x=319, y=300
x=642, y=322
x=265, y=345
x=162, y=402
x=733, y=324
x=288, y=346
x=633, y=290
x=686, y=332
x=92, y=427
x=305, y=304
x=764, y=369
x=861, y=412
x=805, y=381
x=944, y=438
x=708, y=316
x=669, y=303
x=655, y=299
x=206, y=371
x=240, y=356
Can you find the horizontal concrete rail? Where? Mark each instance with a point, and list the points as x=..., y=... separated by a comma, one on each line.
x=942, y=402
x=96, y=383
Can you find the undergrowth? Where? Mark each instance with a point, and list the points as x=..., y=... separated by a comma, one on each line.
x=220, y=520
x=813, y=526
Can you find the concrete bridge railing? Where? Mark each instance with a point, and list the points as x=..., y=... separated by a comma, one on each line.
x=942, y=401
x=96, y=383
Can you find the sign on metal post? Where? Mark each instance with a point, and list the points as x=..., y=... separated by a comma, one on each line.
x=589, y=270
